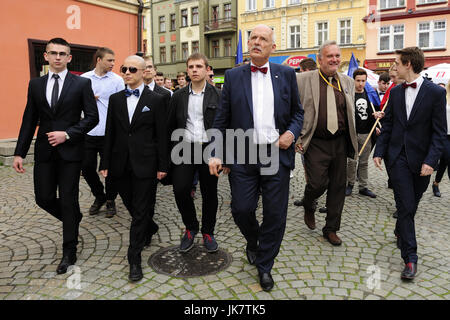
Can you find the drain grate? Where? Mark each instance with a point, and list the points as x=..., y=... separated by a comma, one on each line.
x=197, y=262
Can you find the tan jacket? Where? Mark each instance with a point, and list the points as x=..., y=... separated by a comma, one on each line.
x=309, y=90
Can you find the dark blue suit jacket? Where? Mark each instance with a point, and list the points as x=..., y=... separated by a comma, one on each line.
x=236, y=107
x=422, y=135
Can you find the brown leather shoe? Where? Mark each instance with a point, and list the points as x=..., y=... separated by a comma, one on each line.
x=333, y=238
x=310, y=219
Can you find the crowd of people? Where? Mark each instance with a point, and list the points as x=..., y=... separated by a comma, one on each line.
x=146, y=131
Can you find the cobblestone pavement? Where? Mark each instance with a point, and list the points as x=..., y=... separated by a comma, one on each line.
x=307, y=267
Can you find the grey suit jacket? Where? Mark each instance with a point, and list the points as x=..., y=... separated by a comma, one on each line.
x=309, y=89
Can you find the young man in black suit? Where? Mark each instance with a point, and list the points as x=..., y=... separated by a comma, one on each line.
x=135, y=154
x=192, y=110
x=56, y=101
x=411, y=141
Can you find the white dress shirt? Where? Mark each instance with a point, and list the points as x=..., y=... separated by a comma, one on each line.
x=195, y=128
x=103, y=87
x=411, y=95
x=151, y=85
x=263, y=107
x=50, y=83
x=132, y=102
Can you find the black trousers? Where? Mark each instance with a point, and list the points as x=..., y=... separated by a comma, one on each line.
x=93, y=146
x=444, y=161
x=182, y=178
x=58, y=175
x=139, y=196
x=408, y=190
x=326, y=170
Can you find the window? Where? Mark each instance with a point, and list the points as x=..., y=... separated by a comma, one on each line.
x=269, y=3
x=389, y=4
x=185, y=50
x=391, y=37
x=227, y=47
x=173, y=22
x=294, y=1
x=431, y=34
x=195, y=47
x=295, y=36
x=195, y=15
x=162, y=54
x=345, y=31
x=322, y=32
x=227, y=11
x=251, y=5
x=215, y=13
x=184, y=18
x=162, y=24
x=429, y=1
x=173, y=53
x=215, y=49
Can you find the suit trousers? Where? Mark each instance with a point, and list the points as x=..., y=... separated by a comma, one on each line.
x=326, y=167
x=245, y=183
x=139, y=197
x=93, y=146
x=360, y=166
x=444, y=161
x=408, y=190
x=64, y=177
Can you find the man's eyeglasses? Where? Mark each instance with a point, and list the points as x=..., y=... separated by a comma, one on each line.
x=62, y=54
x=211, y=76
x=149, y=66
x=132, y=69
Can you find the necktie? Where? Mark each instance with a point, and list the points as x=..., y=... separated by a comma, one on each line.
x=255, y=68
x=332, y=120
x=129, y=92
x=55, y=91
x=412, y=85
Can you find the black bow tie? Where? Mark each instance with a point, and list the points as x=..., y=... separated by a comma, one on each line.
x=129, y=92
x=412, y=85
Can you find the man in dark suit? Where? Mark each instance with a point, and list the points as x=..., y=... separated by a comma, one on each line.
x=56, y=101
x=192, y=111
x=261, y=98
x=412, y=140
x=149, y=75
x=135, y=154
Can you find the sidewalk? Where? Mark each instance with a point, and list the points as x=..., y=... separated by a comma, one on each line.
x=366, y=266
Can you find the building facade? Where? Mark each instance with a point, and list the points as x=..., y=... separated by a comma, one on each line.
x=182, y=27
x=396, y=24
x=301, y=26
x=85, y=24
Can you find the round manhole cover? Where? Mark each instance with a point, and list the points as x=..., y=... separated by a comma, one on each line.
x=196, y=262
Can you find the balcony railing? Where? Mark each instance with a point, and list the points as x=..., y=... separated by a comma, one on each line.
x=221, y=24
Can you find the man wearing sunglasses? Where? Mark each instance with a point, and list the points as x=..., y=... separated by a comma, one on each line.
x=104, y=84
x=55, y=102
x=136, y=155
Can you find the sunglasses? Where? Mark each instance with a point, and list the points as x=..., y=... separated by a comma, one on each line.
x=211, y=76
x=132, y=69
x=62, y=54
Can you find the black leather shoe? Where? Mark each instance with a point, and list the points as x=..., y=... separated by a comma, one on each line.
x=66, y=261
x=436, y=191
x=95, y=208
x=135, y=272
x=266, y=281
x=110, y=208
x=348, y=190
x=298, y=203
x=409, y=273
x=395, y=214
x=323, y=210
x=251, y=255
x=367, y=192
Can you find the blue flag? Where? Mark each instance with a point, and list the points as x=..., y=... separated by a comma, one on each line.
x=371, y=92
x=239, y=57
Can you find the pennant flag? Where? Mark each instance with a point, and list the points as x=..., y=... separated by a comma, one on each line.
x=239, y=57
x=371, y=92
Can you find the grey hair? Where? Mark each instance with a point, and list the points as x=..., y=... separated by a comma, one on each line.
x=327, y=44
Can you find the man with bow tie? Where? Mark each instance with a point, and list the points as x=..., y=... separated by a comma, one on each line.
x=135, y=154
x=262, y=99
x=383, y=84
x=411, y=141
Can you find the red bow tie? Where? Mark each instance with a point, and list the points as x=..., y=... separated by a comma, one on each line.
x=412, y=85
x=255, y=68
